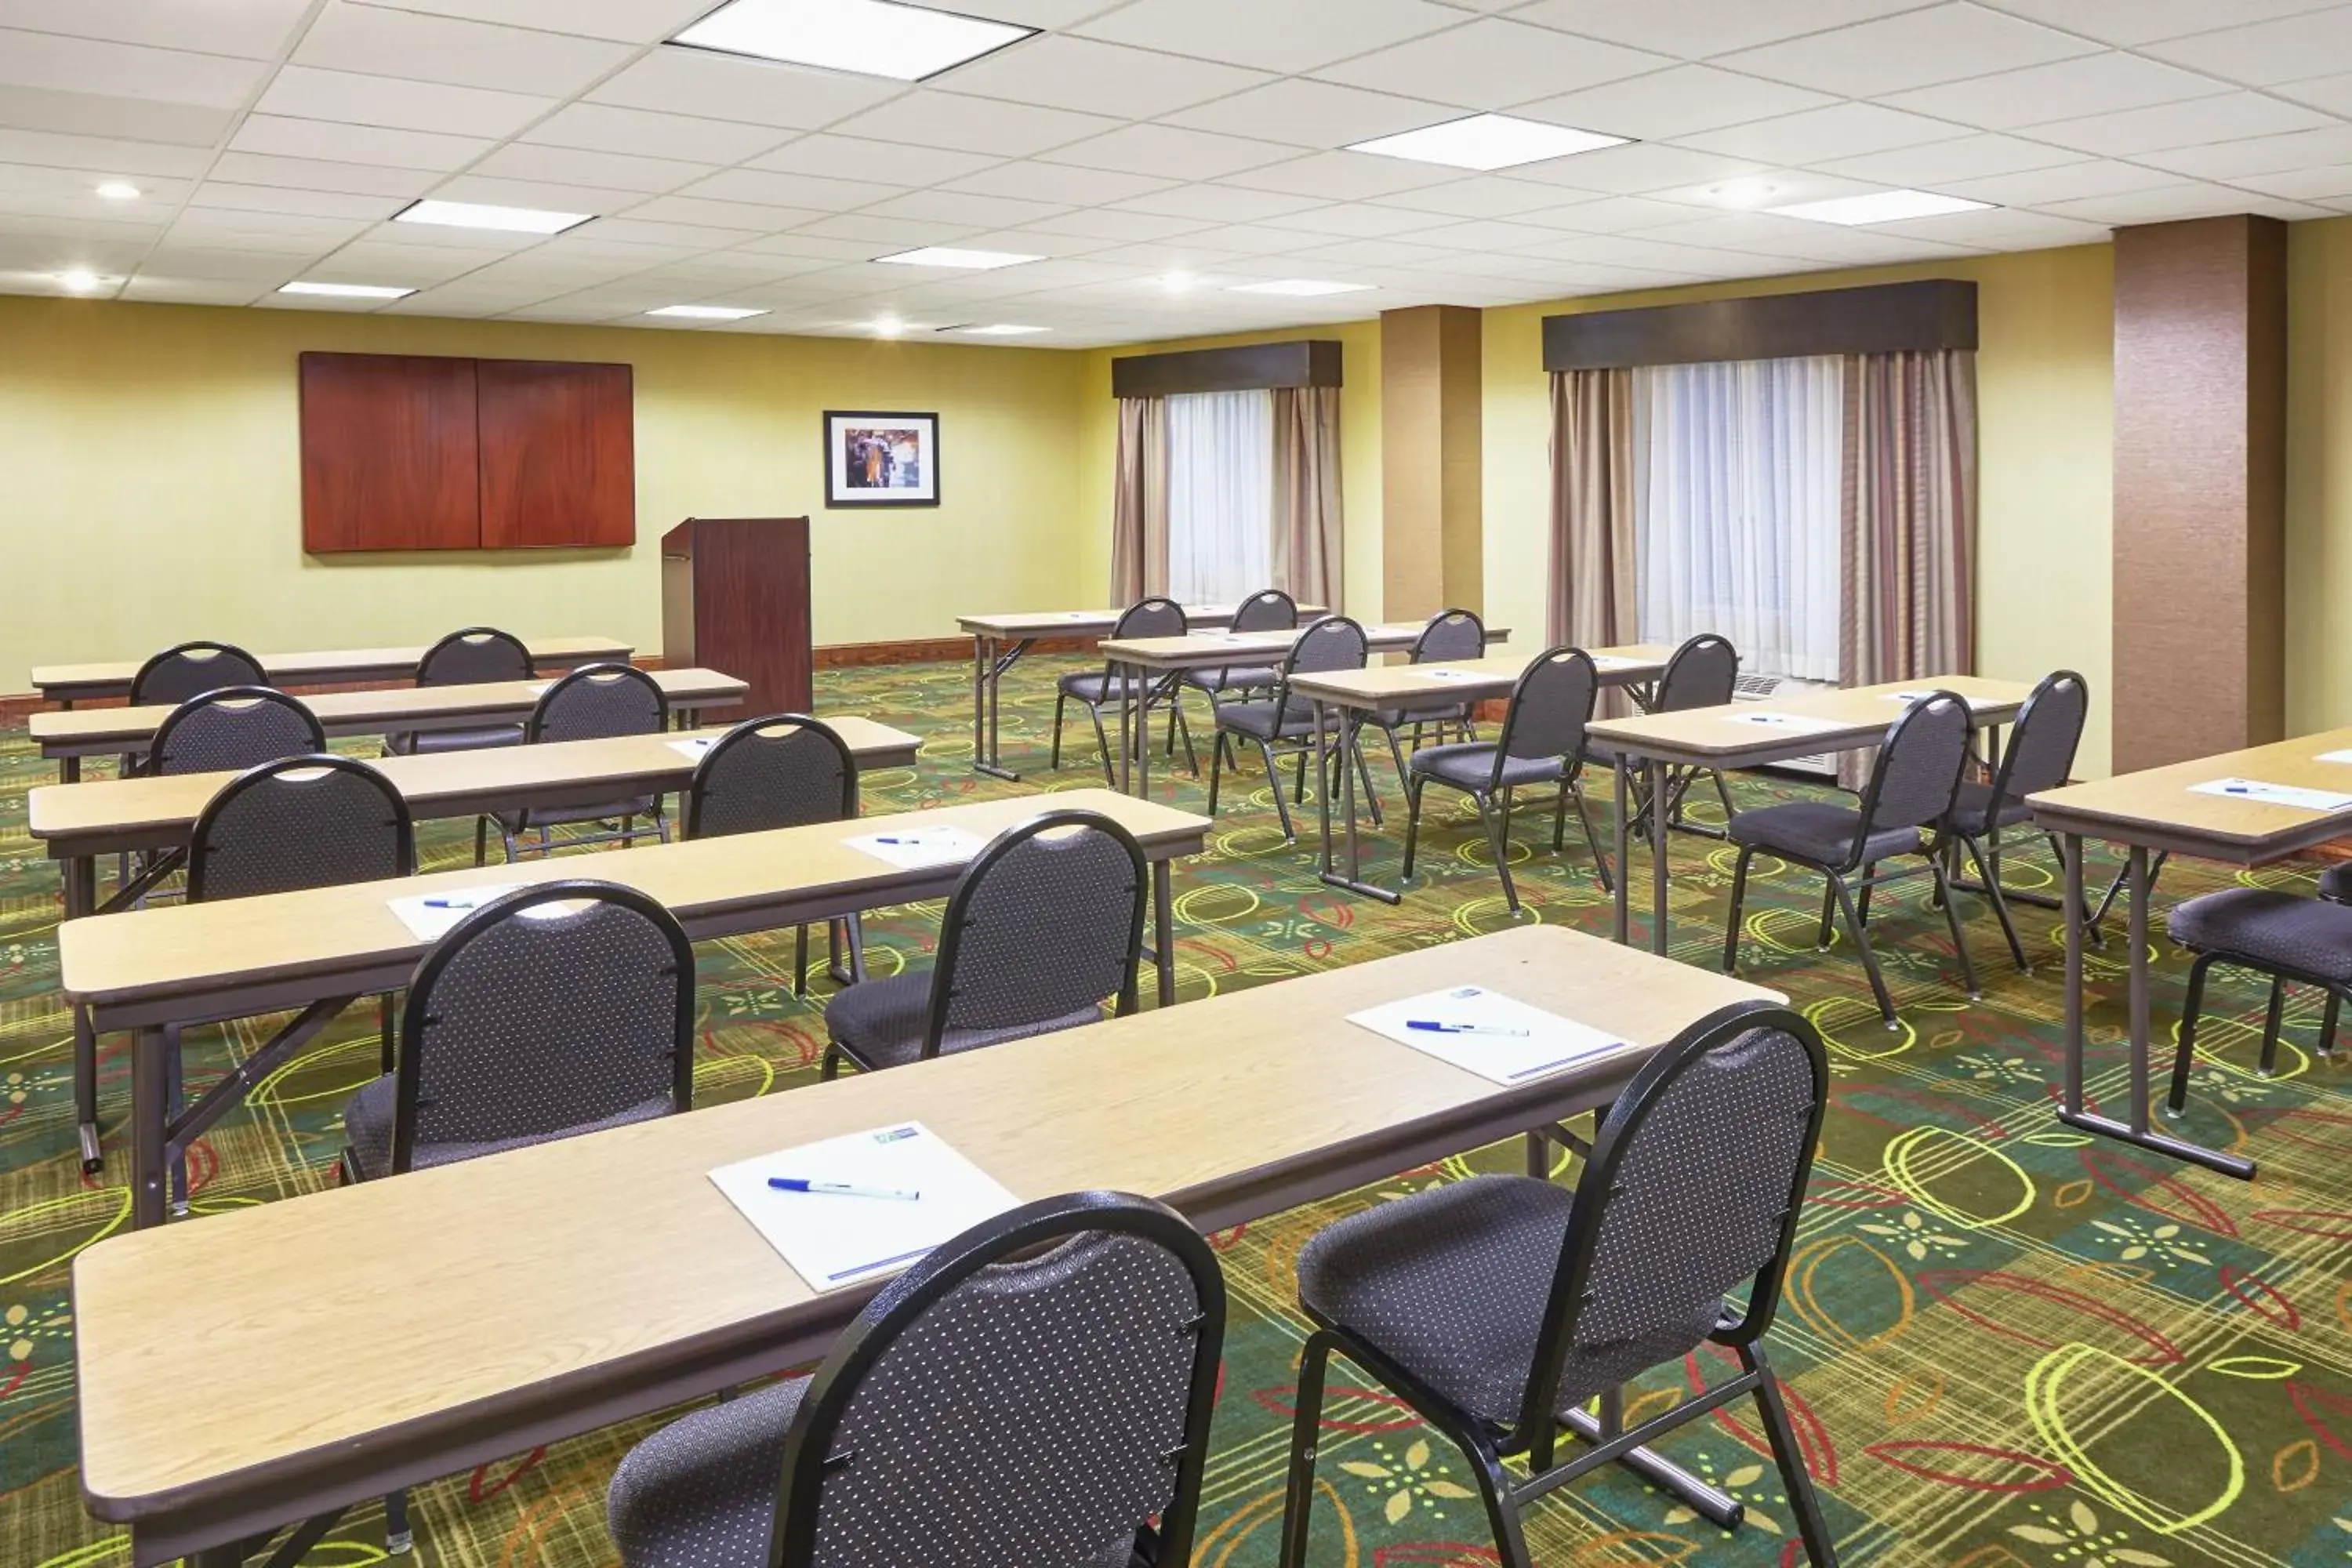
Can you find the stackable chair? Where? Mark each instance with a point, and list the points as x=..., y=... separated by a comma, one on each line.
x=1144, y=618
x=2041, y=755
x=191, y=669
x=225, y=729
x=1046, y=921
x=1903, y=810
x=1451, y=634
x=785, y=770
x=474, y=656
x=2279, y=934
x=595, y=702
x=1542, y=743
x=1335, y=642
x=1267, y=610
x=996, y=1404
x=1498, y=1307
x=1704, y=672
x=528, y=1022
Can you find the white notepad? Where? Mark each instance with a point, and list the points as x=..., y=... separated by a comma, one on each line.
x=2276, y=794
x=2334, y=757
x=1795, y=723
x=1610, y=661
x=1454, y=675
x=833, y=1239
x=694, y=748
x=914, y=849
x=1487, y=1033
x=429, y=917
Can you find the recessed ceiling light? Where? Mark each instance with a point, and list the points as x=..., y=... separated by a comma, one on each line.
x=949, y=256
x=708, y=312
x=1299, y=285
x=872, y=38
x=1180, y=282
x=997, y=330
x=119, y=191
x=81, y=279
x=1744, y=192
x=347, y=290
x=886, y=326
x=1879, y=206
x=473, y=214
x=1488, y=141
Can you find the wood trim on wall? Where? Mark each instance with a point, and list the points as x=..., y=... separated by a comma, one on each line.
x=1302, y=362
x=1885, y=318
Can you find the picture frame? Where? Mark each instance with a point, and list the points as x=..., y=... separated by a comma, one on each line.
x=881, y=459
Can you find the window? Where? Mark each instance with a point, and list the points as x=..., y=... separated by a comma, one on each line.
x=1737, y=475
x=1219, y=496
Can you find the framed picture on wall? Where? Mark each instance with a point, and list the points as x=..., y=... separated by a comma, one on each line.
x=881, y=459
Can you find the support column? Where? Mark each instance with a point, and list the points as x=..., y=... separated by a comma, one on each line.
x=1431, y=502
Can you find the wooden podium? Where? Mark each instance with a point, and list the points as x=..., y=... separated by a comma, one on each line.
x=735, y=597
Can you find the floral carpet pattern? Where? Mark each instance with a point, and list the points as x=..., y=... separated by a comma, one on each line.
x=2008, y=1345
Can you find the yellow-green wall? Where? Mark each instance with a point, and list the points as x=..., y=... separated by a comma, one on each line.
x=2319, y=476
x=150, y=482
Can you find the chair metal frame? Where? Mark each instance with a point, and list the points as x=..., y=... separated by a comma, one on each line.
x=1840, y=896
x=1214, y=681
x=1538, y=1427
x=1679, y=779
x=1149, y=691
x=533, y=729
x=1300, y=746
x=810, y=1441
x=402, y=744
x=2176, y=1100
x=1495, y=802
x=1461, y=716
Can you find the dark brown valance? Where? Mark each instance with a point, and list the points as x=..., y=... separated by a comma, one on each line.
x=1256, y=366
x=1929, y=316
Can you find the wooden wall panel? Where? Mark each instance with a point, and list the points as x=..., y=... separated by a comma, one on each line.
x=1301, y=361
x=558, y=463
x=1433, y=507
x=389, y=455
x=1881, y=317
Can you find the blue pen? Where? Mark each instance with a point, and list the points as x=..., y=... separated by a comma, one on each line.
x=1433, y=1026
x=840, y=1189
x=450, y=904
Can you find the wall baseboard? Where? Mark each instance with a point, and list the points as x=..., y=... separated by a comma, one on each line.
x=926, y=650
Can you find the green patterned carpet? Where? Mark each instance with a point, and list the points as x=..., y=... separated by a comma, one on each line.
x=2010, y=1346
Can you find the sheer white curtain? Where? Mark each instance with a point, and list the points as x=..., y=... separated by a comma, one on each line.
x=1219, y=496
x=1739, y=469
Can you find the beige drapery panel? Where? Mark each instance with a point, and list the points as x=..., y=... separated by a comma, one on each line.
x=1592, y=600
x=1309, y=518
x=1138, y=528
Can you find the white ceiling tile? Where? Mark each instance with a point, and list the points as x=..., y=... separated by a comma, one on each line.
x=576, y=166
x=23, y=198
x=257, y=30
x=2002, y=228
x=727, y=86
x=888, y=234
x=2330, y=184
x=1476, y=195
x=1675, y=102
x=1695, y=29
x=372, y=261
x=716, y=216
x=1102, y=224
x=625, y=21
x=548, y=195
x=1217, y=203
x=1761, y=234
x=440, y=236
x=320, y=175
x=602, y=128
x=2259, y=154
x=2223, y=118
x=1063, y=184
x=882, y=162
x=1964, y=158
x=1314, y=114
x=321, y=139
x=1170, y=151
x=307, y=92
x=1031, y=240
x=1637, y=170
x=1842, y=131
x=262, y=231
x=1610, y=214
x=2331, y=93
x=2165, y=204
x=773, y=188
x=1062, y=72
x=355, y=37
x=1917, y=48
x=100, y=155
x=126, y=71
x=682, y=236
x=947, y=120
x=105, y=115
x=235, y=197
x=1287, y=37
x=1357, y=218
x=80, y=188
x=161, y=290
x=827, y=247
x=2068, y=182
x=1491, y=63
x=2264, y=53
x=1486, y=234
x=1340, y=176
x=2092, y=84
x=1636, y=250
x=2143, y=21
x=962, y=207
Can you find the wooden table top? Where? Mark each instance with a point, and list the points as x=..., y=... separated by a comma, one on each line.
x=1719, y=736
x=104, y=815
x=2161, y=808
x=321, y=937
x=455, y=1294
x=1201, y=650
x=100, y=731
x=325, y=666
x=1092, y=623
x=1382, y=685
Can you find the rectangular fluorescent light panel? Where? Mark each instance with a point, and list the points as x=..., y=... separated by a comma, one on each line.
x=346, y=290
x=949, y=256
x=871, y=37
x=708, y=312
x=1488, y=141
x=1303, y=287
x=997, y=330
x=1880, y=206
x=472, y=214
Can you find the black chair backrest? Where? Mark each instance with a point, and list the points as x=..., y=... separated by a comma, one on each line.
x=1550, y=708
x=1047, y=920
x=1267, y=610
x=1693, y=1188
x=2041, y=746
x=193, y=669
x=232, y=728
x=1153, y=617
x=1703, y=673
x=785, y=771
x=473, y=657
x=1917, y=774
x=1451, y=634
x=598, y=702
x=528, y=1021
x=1087, y=1370
x=299, y=822
x=1335, y=642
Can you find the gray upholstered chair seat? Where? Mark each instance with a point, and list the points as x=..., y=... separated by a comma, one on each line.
x=554, y=816
x=2310, y=936
x=1426, y=713
x=881, y=1022
x=1265, y=721
x=1236, y=678
x=1969, y=811
x=367, y=1130
x=1471, y=765
x=427, y=742
x=1820, y=832
x=701, y=1492
x=1098, y=688
x=2335, y=884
